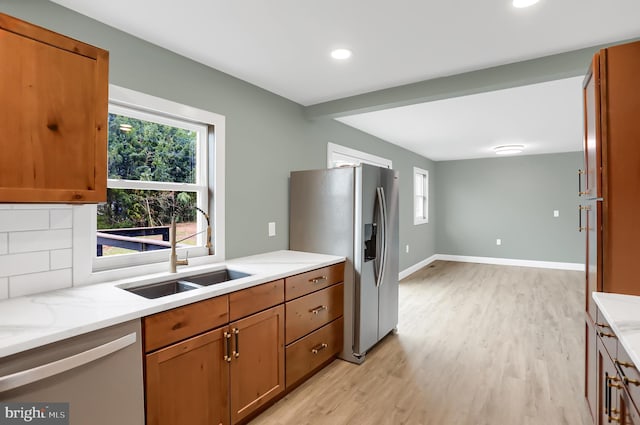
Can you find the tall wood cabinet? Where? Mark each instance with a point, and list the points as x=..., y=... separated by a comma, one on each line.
x=53, y=122
x=609, y=188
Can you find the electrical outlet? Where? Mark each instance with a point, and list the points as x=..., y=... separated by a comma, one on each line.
x=272, y=228
x=498, y=241
x=556, y=213
x=407, y=249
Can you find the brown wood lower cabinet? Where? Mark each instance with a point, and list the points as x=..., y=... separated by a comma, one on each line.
x=221, y=361
x=306, y=355
x=188, y=382
x=618, y=379
x=257, y=361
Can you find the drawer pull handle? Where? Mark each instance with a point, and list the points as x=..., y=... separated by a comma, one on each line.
x=602, y=325
x=319, y=279
x=227, y=347
x=625, y=364
x=236, y=352
x=632, y=381
x=318, y=348
x=318, y=309
x=608, y=335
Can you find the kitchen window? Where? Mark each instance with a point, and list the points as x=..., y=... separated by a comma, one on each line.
x=421, y=196
x=164, y=160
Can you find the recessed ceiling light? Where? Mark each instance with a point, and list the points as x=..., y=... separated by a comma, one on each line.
x=508, y=149
x=341, y=54
x=524, y=3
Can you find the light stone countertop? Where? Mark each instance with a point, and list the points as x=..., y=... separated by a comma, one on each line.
x=36, y=320
x=623, y=314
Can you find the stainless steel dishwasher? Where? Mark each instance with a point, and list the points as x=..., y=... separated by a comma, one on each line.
x=99, y=374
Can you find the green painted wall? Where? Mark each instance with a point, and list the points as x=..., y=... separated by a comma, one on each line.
x=267, y=135
x=512, y=198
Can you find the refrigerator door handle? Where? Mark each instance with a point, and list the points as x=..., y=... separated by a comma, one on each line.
x=382, y=205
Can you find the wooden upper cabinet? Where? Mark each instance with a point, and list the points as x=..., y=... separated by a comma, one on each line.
x=53, y=121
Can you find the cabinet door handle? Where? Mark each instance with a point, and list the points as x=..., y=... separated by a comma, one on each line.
x=38, y=373
x=607, y=394
x=236, y=351
x=580, y=192
x=625, y=364
x=318, y=309
x=602, y=325
x=580, y=209
x=631, y=381
x=607, y=335
x=318, y=348
x=227, y=347
x=319, y=279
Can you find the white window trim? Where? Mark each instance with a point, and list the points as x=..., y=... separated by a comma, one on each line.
x=420, y=220
x=84, y=216
x=334, y=150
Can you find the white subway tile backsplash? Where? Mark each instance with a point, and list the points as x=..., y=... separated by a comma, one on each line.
x=16, y=264
x=42, y=206
x=21, y=220
x=39, y=241
x=61, y=259
x=4, y=288
x=39, y=282
x=4, y=243
x=61, y=219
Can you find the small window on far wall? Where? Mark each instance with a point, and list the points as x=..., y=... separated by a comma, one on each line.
x=420, y=196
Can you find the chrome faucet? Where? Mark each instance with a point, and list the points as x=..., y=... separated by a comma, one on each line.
x=173, y=258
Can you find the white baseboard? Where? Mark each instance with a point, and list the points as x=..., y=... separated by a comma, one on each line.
x=512, y=262
x=424, y=263
x=490, y=260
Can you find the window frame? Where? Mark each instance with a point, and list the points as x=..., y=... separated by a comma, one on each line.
x=88, y=268
x=355, y=157
x=424, y=196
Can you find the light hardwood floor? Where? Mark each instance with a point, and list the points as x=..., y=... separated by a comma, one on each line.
x=476, y=344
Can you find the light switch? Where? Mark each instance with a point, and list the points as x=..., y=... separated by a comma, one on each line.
x=407, y=249
x=498, y=241
x=556, y=213
x=272, y=228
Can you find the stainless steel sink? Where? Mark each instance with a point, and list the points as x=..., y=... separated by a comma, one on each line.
x=218, y=276
x=162, y=289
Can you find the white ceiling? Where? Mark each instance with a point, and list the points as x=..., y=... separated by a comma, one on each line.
x=283, y=46
x=545, y=118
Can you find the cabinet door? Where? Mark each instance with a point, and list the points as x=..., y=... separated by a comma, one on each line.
x=188, y=382
x=257, y=365
x=53, y=126
x=592, y=141
x=609, y=385
x=591, y=188
x=591, y=370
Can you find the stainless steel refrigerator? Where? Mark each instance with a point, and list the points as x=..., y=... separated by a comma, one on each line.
x=353, y=212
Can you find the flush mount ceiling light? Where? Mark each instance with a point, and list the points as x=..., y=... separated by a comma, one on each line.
x=508, y=149
x=341, y=54
x=524, y=3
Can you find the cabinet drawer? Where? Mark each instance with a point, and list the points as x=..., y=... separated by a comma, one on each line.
x=312, y=351
x=629, y=373
x=252, y=300
x=183, y=322
x=604, y=331
x=305, y=283
x=310, y=312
